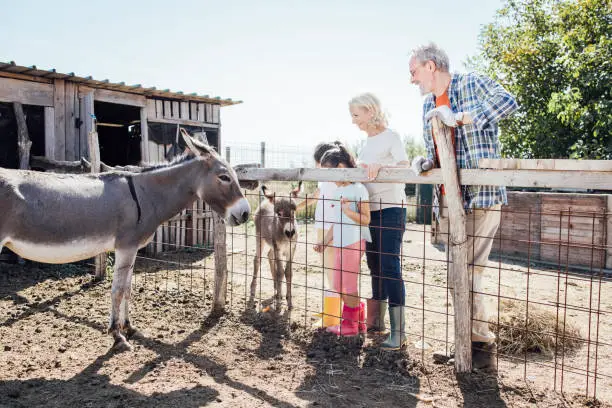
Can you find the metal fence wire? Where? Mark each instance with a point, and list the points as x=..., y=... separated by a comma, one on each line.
x=545, y=285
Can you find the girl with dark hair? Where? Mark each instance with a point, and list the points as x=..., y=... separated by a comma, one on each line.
x=351, y=217
x=323, y=197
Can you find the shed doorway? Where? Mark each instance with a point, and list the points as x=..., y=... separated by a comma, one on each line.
x=119, y=133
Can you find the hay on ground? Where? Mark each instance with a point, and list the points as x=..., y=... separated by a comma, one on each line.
x=540, y=332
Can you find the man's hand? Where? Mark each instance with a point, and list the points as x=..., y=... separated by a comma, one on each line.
x=421, y=164
x=444, y=113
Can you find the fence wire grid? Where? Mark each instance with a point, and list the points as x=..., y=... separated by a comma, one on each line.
x=546, y=284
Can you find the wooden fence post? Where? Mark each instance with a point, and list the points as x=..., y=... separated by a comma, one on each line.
x=94, y=157
x=263, y=154
x=457, y=242
x=220, y=265
x=23, y=139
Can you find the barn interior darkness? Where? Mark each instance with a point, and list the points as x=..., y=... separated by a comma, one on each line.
x=35, y=121
x=118, y=133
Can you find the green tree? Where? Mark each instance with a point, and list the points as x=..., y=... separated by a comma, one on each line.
x=555, y=56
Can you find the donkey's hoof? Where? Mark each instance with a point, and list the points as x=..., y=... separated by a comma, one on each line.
x=121, y=345
x=130, y=332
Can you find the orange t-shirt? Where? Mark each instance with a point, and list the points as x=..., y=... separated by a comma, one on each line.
x=443, y=100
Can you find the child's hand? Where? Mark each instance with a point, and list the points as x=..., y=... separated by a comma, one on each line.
x=318, y=247
x=345, y=204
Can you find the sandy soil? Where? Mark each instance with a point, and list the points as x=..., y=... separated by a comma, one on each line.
x=54, y=350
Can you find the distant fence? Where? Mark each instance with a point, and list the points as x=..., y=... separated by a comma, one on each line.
x=268, y=155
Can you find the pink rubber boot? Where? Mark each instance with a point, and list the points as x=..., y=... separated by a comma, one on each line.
x=350, y=322
x=362, y=318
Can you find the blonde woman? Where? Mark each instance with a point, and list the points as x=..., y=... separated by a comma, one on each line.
x=383, y=148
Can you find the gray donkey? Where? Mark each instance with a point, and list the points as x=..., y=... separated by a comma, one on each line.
x=275, y=226
x=59, y=218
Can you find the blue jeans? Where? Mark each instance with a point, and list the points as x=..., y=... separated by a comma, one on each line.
x=387, y=227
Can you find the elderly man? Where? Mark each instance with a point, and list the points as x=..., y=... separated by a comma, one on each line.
x=472, y=105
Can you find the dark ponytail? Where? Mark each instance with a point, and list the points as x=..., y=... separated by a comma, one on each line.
x=323, y=147
x=338, y=155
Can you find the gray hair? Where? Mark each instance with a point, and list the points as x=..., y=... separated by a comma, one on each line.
x=371, y=103
x=431, y=52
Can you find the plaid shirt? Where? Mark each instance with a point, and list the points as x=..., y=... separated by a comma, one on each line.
x=488, y=103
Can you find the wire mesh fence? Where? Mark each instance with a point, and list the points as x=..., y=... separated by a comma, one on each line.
x=268, y=154
x=550, y=314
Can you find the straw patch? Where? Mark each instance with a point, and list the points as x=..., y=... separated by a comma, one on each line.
x=540, y=332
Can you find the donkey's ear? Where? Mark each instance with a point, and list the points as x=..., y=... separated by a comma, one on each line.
x=294, y=193
x=268, y=195
x=194, y=145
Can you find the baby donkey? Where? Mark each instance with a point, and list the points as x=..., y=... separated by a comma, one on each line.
x=275, y=227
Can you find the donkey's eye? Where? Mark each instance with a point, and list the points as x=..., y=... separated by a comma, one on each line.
x=225, y=178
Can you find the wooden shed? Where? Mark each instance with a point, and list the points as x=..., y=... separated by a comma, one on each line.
x=134, y=125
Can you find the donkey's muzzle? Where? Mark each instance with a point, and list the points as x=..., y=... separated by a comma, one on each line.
x=245, y=216
x=239, y=212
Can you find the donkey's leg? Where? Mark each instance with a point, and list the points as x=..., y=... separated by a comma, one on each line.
x=277, y=275
x=124, y=318
x=272, y=265
x=256, y=269
x=124, y=263
x=289, y=273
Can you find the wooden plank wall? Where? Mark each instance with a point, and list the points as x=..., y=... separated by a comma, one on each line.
x=520, y=226
x=194, y=226
x=573, y=227
x=562, y=228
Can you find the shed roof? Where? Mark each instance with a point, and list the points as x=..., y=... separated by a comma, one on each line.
x=51, y=74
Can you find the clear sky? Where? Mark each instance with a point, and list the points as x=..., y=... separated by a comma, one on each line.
x=295, y=64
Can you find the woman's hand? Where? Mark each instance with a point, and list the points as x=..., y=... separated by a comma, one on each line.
x=373, y=169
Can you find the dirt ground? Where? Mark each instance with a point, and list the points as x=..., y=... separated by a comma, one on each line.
x=54, y=350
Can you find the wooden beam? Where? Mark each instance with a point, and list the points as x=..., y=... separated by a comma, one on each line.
x=26, y=92
x=93, y=147
x=23, y=139
x=510, y=178
x=144, y=135
x=546, y=164
x=151, y=108
x=220, y=265
x=167, y=110
x=159, y=109
x=59, y=105
x=458, y=272
x=194, y=111
x=49, y=132
x=209, y=113
x=609, y=233
x=215, y=113
x=68, y=144
x=184, y=110
x=184, y=122
x=24, y=77
x=86, y=110
x=121, y=98
x=85, y=90
x=201, y=112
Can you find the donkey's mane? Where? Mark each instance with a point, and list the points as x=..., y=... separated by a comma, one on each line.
x=177, y=160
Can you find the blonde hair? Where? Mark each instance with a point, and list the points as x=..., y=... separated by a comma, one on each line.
x=371, y=103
